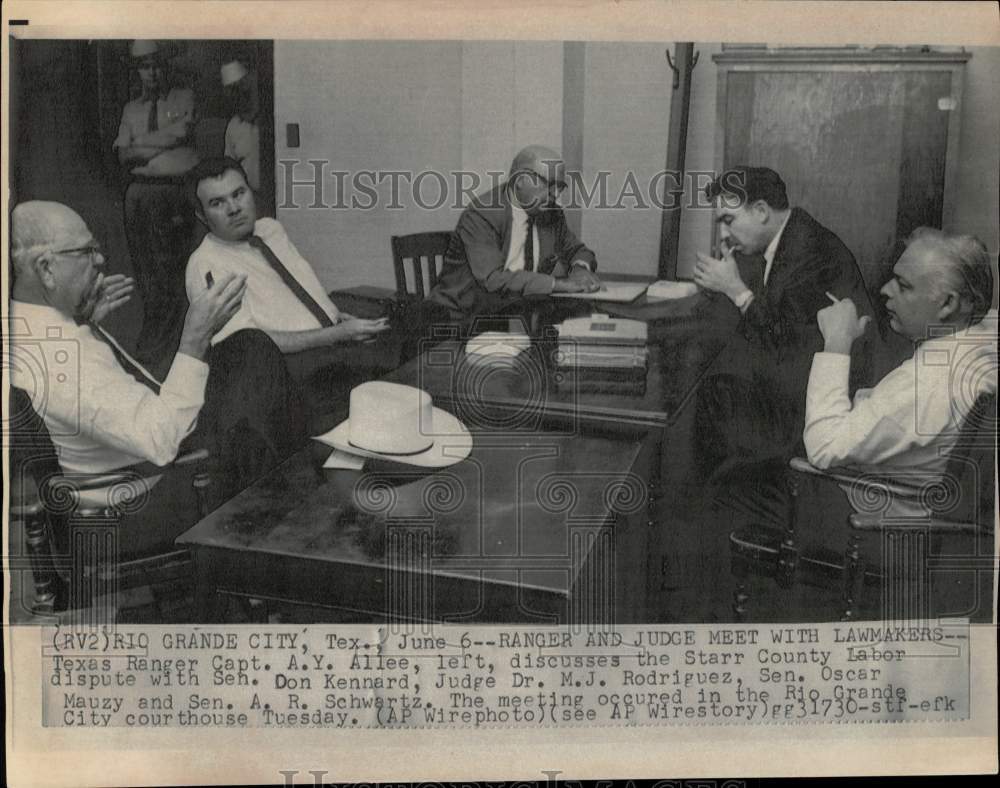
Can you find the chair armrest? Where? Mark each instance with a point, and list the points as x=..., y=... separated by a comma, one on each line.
x=191, y=458
x=937, y=525
x=57, y=486
x=855, y=477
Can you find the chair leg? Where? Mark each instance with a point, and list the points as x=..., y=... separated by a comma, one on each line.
x=854, y=575
x=201, y=483
x=741, y=600
x=50, y=588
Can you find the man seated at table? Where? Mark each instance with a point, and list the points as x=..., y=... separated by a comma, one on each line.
x=103, y=410
x=777, y=262
x=939, y=298
x=284, y=297
x=513, y=242
x=777, y=265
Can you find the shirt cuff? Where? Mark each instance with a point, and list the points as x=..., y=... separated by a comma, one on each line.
x=831, y=366
x=187, y=374
x=584, y=263
x=743, y=300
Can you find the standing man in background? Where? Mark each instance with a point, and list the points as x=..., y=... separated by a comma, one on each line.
x=243, y=129
x=154, y=144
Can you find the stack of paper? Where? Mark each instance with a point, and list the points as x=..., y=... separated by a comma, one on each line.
x=602, y=350
x=496, y=347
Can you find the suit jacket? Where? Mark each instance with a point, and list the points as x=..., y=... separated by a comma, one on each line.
x=772, y=350
x=473, y=278
x=809, y=262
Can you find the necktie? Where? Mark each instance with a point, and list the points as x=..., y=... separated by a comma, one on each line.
x=529, y=246
x=300, y=292
x=154, y=120
x=126, y=363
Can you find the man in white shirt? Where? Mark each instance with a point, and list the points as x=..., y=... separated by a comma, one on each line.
x=284, y=297
x=939, y=298
x=513, y=242
x=98, y=413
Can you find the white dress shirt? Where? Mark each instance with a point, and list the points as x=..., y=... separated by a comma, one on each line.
x=268, y=303
x=99, y=417
x=912, y=418
x=519, y=239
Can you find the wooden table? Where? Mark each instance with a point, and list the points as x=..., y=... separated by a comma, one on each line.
x=526, y=529
x=549, y=519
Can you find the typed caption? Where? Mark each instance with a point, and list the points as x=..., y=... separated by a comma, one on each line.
x=448, y=676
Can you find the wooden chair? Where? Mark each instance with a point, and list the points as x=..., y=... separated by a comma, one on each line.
x=88, y=537
x=425, y=253
x=952, y=544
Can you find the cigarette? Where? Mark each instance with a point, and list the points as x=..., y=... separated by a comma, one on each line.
x=832, y=297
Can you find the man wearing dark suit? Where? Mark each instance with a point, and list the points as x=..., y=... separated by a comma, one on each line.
x=513, y=242
x=776, y=265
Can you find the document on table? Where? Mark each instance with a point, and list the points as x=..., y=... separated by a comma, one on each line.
x=622, y=292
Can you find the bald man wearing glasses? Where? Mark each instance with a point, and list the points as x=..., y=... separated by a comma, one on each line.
x=103, y=409
x=513, y=242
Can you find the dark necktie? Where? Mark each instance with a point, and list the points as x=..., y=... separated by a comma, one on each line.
x=300, y=292
x=124, y=361
x=529, y=246
x=154, y=120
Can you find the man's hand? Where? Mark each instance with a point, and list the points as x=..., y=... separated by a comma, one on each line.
x=209, y=312
x=567, y=285
x=840, y=325
x=586, y=278
x=719, y=275
x=113, y=292
x=357, y=329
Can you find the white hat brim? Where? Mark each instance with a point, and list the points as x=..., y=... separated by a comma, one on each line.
x=452, y=443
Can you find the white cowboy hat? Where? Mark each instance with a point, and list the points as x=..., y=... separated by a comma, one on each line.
x=150, y=49
x=390, y=421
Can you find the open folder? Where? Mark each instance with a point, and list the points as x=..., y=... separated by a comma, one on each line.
x=622, y=292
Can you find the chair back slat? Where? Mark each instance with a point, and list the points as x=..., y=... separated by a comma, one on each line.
x=425, y=252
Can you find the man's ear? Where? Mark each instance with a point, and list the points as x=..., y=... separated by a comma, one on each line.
x=951, y=305
x=761, y=210
x=43, y=270
x=200, y=216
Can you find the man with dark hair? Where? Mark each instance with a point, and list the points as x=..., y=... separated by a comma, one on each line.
x=284, y=298
x=105, y=410
x=776, y=263
x=513, y=242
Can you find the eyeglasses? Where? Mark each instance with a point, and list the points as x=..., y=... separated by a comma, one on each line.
x=93, y=251
x=540, y=179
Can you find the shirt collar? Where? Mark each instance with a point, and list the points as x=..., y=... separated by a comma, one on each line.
x=772, y=248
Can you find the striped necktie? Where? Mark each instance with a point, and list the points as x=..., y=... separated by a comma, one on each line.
x=529, y=246
x=126, y=362
x=290, y=281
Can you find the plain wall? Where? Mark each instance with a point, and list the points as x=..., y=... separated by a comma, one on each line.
x=626, y=119
x=365, y=106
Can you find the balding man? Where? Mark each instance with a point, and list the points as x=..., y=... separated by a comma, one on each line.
x=103, y=410
x=939, y=298
x=513, y=241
